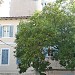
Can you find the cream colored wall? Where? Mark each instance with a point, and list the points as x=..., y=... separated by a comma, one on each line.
x=22, y=7
x=10, y=22
x=12, y=66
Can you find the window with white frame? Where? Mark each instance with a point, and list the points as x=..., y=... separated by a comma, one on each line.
x=5, y=56
x=6, y=31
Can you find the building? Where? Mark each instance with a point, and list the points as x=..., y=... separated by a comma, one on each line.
x=19, y=10
x=8, y=62
x=23, y=7
x=8, y=29
x=26, y=7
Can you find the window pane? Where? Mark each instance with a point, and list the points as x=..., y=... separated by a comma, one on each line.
x=8, y=31
x=4, y=31
x=4, y=56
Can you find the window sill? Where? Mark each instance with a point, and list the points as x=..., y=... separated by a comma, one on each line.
x=6, y=37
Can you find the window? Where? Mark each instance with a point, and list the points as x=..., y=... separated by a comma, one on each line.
x=5, y=56
x=44, y=3
x=6, y=31
x=17, y=61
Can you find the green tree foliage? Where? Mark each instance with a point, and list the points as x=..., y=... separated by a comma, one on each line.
x=54, y=26
x=30, y=42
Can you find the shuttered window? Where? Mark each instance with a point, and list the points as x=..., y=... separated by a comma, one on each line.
x=4, y=56
x=6, y=31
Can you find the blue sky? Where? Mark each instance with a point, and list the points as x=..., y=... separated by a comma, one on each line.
x=4, y=8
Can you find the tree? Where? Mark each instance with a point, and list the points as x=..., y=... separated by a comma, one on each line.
x=62, y=18
x=54, y=26
x=30, y=44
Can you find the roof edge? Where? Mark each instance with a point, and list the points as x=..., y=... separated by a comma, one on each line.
x=10, y=18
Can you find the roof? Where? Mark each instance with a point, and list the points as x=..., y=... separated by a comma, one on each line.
x=11, y=18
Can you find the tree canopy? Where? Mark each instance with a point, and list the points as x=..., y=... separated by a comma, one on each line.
x=53, y=26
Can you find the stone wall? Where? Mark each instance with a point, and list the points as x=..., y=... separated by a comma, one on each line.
x=60, y=72
x=53, y=72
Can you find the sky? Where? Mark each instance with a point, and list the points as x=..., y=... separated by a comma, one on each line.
x=4, y=8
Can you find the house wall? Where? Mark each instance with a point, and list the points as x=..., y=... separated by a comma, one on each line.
x=23, y=7
x=11, y=66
